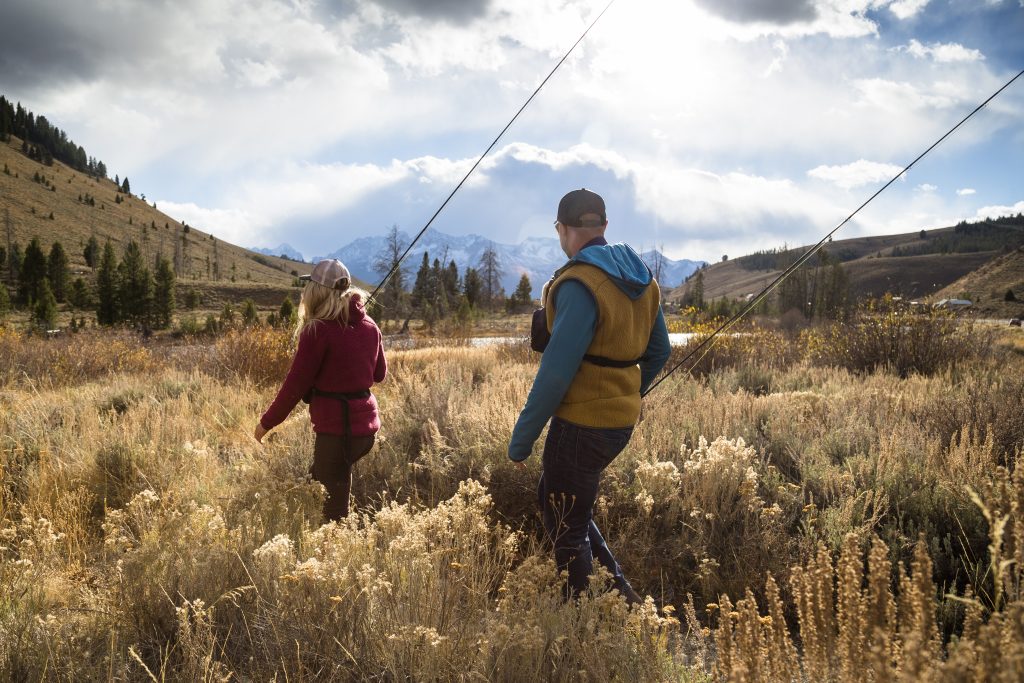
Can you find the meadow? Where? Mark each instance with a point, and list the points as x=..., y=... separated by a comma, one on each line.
x=841, y=504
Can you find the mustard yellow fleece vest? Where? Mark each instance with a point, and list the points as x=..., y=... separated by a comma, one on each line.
x=603, y=397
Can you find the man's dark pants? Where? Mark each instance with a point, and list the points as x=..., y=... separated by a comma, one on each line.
x=574, y=458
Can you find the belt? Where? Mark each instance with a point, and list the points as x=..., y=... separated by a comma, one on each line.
x=344, y=397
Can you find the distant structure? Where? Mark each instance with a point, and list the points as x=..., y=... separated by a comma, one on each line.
x=953, y=304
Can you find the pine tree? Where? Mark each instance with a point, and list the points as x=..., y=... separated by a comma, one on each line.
x=451, y=281
x=44, y=311
x=78, y=296
x=32, y=273
x=695, y=295
x=523, y=296
x=14, y=261
x=227, y=317
x=286, y=314
x=107, y=310
x=472, y=287
x=164, y=304
x=5, y=302
x=250, y=317
x=92, y=252
x=421, y=289
x=135, y=291
x=793, y=293
x=438, y=291
x=57, y=271
x=490, y=277
x=126, y=186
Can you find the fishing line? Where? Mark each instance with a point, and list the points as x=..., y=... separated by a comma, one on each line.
x=508, y=125
x=708, y=342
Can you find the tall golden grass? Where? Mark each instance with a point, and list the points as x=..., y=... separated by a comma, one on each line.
x=819, y=525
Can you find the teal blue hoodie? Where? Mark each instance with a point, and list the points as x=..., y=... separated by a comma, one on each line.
x=573, y=332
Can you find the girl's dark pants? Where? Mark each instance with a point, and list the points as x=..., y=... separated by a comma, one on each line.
x=333, y=457
x=574, y=458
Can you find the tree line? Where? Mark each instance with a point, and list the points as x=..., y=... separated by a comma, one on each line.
x=438, y=291
x=44, y=142
x=126, y=290
x=817, y=291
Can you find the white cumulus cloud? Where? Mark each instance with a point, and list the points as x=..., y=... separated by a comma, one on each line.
x=942, y=52
x=927, y=187
x=965, y=191
x=855, y=174
x=999, y=210
x=905, y=9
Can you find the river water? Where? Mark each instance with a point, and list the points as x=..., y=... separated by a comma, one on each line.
x=675, y=338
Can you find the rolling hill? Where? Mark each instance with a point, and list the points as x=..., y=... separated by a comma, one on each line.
x=987, y=286
x=913, y=265
x=58, y=203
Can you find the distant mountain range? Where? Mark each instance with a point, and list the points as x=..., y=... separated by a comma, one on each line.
x=283, y=249
x=538, y=257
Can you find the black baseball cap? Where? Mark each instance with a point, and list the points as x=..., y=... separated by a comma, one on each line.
x=577, y=204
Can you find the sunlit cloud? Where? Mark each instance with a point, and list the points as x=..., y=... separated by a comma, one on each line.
x=855, y=174
x=905, y=9
x=1000, y=210
x=943, y=52
x=249, y=119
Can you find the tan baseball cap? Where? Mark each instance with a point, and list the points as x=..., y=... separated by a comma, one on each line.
x=330, y=273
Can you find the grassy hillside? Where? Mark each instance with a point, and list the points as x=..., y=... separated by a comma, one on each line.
x=913, y=264
x=987, y=286
x=57, y=203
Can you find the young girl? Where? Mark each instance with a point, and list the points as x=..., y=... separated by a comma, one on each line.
x=340, y=356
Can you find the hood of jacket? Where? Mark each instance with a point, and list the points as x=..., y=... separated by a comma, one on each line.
x=356, y=310
x=623, y=265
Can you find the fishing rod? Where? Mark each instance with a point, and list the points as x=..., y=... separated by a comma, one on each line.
x=397, y=264
x=708, y=341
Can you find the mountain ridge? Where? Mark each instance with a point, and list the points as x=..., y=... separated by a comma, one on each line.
x=538, y=257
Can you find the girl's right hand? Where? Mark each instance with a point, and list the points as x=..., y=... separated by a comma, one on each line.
x=259, y=433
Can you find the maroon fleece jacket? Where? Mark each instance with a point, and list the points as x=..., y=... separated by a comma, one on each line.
x=336, y=358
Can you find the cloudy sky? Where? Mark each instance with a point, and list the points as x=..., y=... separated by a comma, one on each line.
x=710, y=126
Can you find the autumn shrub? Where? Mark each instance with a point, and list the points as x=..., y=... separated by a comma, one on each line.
x=884, y=336
x=66, y=360
x=259, y=354
x=746, y=347
x=716, y=510
x=877, y=620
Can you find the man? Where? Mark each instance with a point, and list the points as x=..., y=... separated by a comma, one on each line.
x=608, y=341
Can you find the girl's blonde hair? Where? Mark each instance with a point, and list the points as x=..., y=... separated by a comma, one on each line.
x=323, y=303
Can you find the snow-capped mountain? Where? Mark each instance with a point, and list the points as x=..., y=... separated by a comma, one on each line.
x=538, y=257
x=282, y=249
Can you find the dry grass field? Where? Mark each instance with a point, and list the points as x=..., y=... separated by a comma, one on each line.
x=796, y=512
